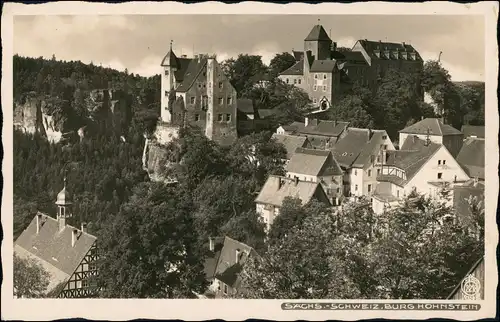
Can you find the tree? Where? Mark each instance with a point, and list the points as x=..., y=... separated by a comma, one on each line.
x=280, y=63
x=151, y=247
x=304, y=265
x=353, y=109
x=247, y=228
x=30, y=279
x=244, y=72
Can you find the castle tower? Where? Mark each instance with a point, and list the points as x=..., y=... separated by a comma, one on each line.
x=319, y=43
x=64, y=205
x=170, y=64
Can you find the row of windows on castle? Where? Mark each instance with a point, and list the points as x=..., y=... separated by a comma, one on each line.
x=204, y=100
x=220, y=117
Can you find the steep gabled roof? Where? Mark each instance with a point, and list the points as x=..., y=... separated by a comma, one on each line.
x=471, y=157
x=318, y=127
x=370, y=46
x=52, y=248
x=323, y=66
x=291, y=142
x=170, y=59
x=228, y=269
x=317, y=33
x=194, y=68
x=276, y=189
x=298, y=55
x=295, y=69
x=413, y=155
x=431, y=126
x=245, y=105
x=314, y=163
x=473, y=130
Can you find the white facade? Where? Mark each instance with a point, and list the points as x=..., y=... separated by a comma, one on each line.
x=268, y=213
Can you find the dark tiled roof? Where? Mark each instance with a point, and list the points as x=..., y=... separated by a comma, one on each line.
x=193, y=69
x=317, y=33
x=298, y=55
x=181, y=70
x=228, y=269
x=291, y=142
x=355, y=57
x=433, y=125
x=53, y=247
x=245, y=105
x=413, y=155
x=323, y=66
x=356, y=147
x=264, y=113
x=293, y=127
x=471, y=157
x=371, y=46
x=473, y=130
x=314, y=163
x=273, y=192
x=296, y=69
x=170, y=60
x=318, y=127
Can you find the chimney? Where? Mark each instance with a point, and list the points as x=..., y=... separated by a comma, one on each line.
x=84, y=227
x=211, y=244
x=306, y=121
x=334, y=46
x=296, y=180
x=280, y=183
x=370, y=134
x=62, y=223
x=404, y=44
x=38, y=222
x=237, y=256
x=74, y=235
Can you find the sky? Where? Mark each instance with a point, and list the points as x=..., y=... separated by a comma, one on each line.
x=139, y=42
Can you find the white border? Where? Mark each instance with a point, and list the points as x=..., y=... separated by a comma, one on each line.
x=241, y=309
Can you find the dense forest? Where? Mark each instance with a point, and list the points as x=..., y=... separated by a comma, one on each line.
x=154, y=236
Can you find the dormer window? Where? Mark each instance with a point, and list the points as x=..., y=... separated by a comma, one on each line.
x=404, y=54
x=413, y=56
x=377, y=53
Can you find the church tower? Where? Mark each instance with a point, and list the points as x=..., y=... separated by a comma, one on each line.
x=170, y=64
x=64, y=205
x=319, y=43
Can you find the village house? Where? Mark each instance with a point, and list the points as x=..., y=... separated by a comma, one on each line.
x=324, y=72
x=421, y=165
x=195, y=91
x=224, y=264
x=359, y=153
x=472, y=157
x=277, y=188
x=291, y=143
x=321, y=134
x=473, y=131
x=437, y=131
x=318, y=166
x=66, y=253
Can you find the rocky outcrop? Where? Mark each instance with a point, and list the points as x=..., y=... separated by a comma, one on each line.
x=58, y=120
x=158, y=157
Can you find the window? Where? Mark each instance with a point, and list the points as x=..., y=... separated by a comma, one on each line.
x=221, y=84
x=397, y=193
x=295, y=81
x=355, y=172
x=300, y=81
x=204, y=85
x=378, y=172
x=385, y=146
x=378, y=158
x=439, y=162
x=221, y=100
x=372, y=158
x=287, y=81
x=220, y=117
x=369, y=188
x=225, y=289
x=197, y=117
x=324, y=88
x=315, y=87
x=204, y=73
x=229, y=99
x=166, y=93
x=228, y=117
x=204, y=102
x=440, y=175
x=199, y=85
x=444, y=162
x=369, y=173
x=193, y=99
x=166, y=72
x=324, y=76
x=356, y=188
x=315, y=76
x=338, y=190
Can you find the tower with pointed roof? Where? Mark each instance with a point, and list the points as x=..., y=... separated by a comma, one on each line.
x=318, y=43
x=170, y=64
x=64, y=204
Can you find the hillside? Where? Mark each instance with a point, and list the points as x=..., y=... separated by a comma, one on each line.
x=57, y=98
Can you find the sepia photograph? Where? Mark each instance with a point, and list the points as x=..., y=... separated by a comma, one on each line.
x=336, y=157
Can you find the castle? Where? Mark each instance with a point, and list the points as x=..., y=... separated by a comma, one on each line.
x=325, y=73
x=195, y=91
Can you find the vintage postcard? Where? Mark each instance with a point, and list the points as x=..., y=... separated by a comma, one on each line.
x=253, y=160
